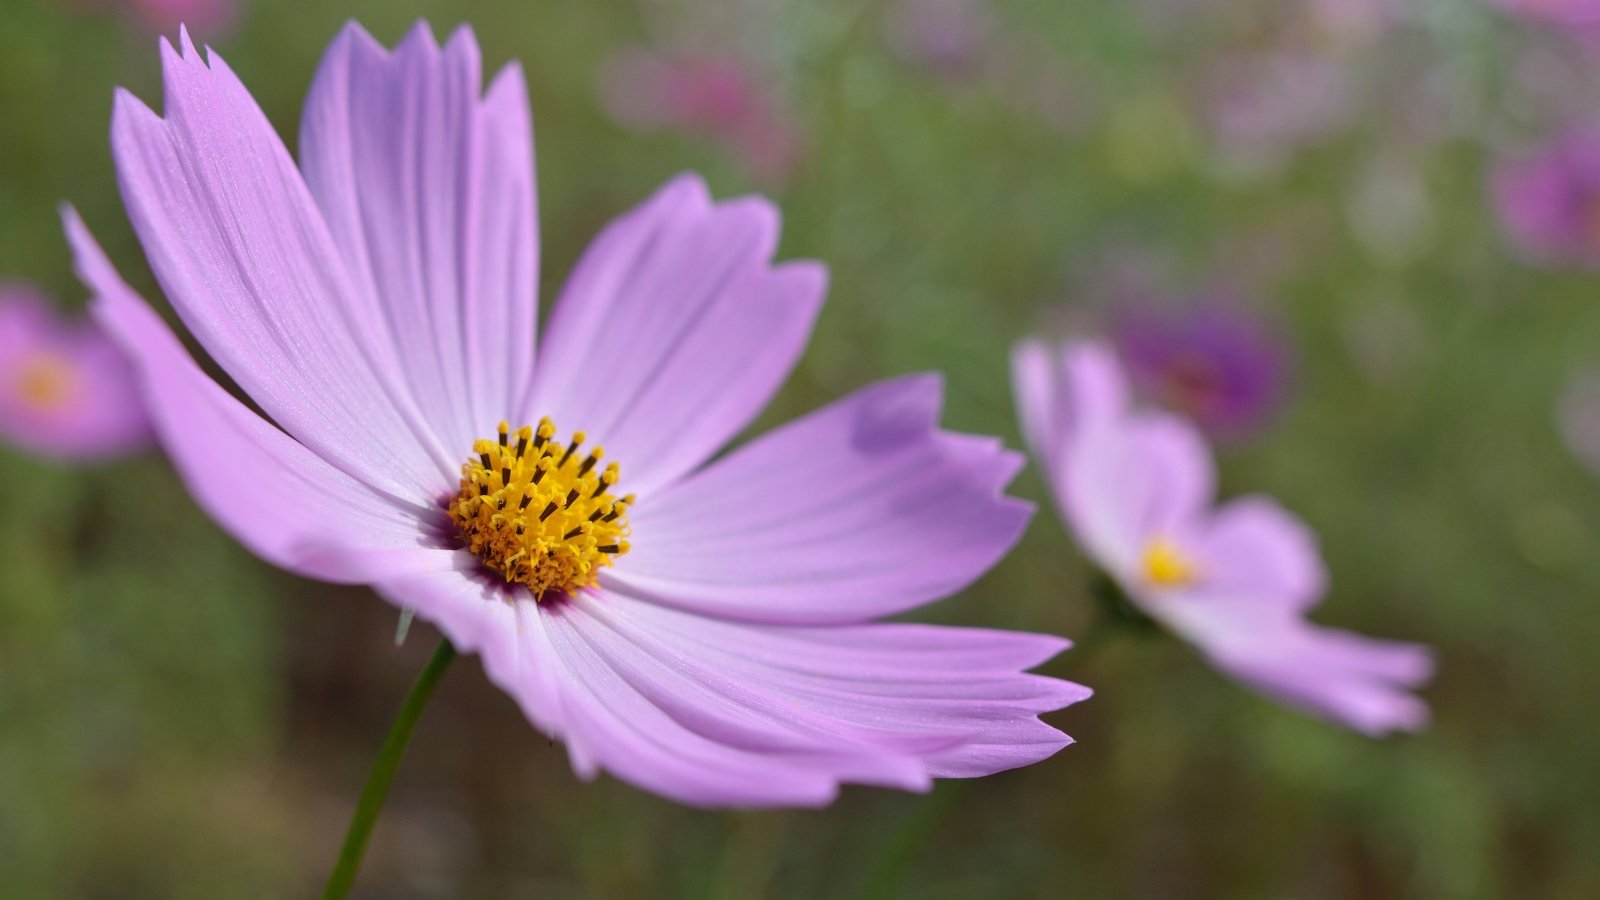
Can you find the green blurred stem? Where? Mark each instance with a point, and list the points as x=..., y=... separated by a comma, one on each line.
x=382, y=774
x=905, y=845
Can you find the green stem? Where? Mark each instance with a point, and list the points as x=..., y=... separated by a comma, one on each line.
x=903, y=847
x=382, y=774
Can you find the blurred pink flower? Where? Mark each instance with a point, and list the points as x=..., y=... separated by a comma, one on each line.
x=1208, y=359
x=720, y=98
x=1137, y=489
x=207, y=17
x=945, y=37
x=1571, y=13
x=1549, y=199
x=66, y=393
x=1353, y=21
x=714, y=635
x=1265, y=108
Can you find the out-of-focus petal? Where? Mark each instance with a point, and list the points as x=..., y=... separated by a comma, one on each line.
x=1060, y=393
x=1144, y=476
x=275, y=496
x=238, y=244
x=1253, y=550
x=859, y=510
x=1355, y=680
x=715, y=713
x=427, y=187
x=674, y=330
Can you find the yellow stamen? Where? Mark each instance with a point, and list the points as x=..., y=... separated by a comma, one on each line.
x=46, y=382
x=538, y=511
x=1166, y=565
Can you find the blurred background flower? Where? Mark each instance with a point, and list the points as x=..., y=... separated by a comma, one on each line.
x=720, y=98
x=1205, y=357
x=1570, y=13
x=66, y=393
x=945, y=38
x=1549, y=199
x=1235, y=578
x=206, y=18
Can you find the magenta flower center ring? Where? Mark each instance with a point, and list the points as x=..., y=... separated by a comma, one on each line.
x=541, y=512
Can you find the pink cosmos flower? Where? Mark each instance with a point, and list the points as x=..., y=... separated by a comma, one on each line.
x=65, y=390
x=1137, y=489
x=1549, y=199
x=710, y=634
x=718, y=97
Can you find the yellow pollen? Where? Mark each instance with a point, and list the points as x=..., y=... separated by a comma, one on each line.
x=46, y=382
x=1165, y=565
x=539, y=511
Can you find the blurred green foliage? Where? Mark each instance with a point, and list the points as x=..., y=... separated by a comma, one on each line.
x=178, y=720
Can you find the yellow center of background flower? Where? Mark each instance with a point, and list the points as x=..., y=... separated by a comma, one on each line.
x=541, y=512
x=1166, y=565
x=46, y=382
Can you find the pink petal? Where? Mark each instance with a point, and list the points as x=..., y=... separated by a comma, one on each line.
x=275, y=496
x=1062, y=391
x=502, y=624
x=243, y=253
x=1358, y=681
x=428, y=189
x=716, y=713
x=1041, y=404
x=674, y=330
x=1254, y=551
x=861, y=509
x=1135, y=479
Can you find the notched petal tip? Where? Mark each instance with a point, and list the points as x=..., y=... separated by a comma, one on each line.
x=421, y=31
x=463, y=40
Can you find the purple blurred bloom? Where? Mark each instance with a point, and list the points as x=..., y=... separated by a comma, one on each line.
x=1209, y=360
x=1137, y=489
x=378, y=304
x=1549, y=199
x=720, y=98
x=1582, y=14
x=66, y=393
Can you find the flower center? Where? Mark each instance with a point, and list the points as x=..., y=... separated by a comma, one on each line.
x=1166, y=565
x=1192, y=384
x=46, y=382
x=541, y=512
